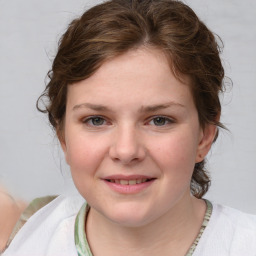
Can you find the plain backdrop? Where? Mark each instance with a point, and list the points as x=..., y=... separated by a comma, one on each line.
x=31, y=162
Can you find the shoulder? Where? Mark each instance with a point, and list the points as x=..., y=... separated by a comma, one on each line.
x=229, y=232
x=235, y=220
x=10, y=211
x=52, y=220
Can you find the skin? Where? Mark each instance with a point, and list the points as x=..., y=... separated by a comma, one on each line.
x=9, y=215
x=133, y=117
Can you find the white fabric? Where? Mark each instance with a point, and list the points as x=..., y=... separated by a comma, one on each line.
x=50, y=232
x=228, y=233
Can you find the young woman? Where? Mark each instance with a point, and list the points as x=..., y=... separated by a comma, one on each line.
x=133, y=98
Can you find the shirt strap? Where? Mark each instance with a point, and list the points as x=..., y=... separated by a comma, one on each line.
x=207, y=217
x=81, y=243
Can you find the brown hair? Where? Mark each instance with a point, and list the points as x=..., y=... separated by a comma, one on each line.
x=114, y=27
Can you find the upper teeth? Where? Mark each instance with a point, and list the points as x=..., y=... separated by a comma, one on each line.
x=128, y=182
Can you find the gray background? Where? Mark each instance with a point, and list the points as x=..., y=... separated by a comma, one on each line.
x=31, y=162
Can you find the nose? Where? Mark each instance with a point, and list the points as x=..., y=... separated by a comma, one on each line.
x=127, y=146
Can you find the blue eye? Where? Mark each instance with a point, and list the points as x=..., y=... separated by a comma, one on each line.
x=95, y=121
x=160, y=121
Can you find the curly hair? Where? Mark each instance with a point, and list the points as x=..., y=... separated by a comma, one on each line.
x=116, y=26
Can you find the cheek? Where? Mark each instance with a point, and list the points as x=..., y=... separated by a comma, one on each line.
x=176, y=152
x=84, y=154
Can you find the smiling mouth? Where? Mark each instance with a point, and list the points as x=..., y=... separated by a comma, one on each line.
x=128, y=182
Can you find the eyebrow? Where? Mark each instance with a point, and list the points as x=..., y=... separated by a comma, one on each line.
x=144, y=109
x=157, y=107
x=95, y=107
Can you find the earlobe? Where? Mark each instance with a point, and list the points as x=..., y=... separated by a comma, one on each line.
x=206, y=140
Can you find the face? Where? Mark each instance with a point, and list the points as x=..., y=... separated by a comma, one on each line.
x=132, y=138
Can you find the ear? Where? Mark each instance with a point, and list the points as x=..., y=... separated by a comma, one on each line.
x=62, y=140
x=207, y=137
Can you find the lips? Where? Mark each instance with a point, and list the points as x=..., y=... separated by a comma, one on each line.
x=128, y=181
x=129, y=184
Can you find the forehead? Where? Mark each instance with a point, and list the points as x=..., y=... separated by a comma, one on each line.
x=143, y=74
x=145, y=58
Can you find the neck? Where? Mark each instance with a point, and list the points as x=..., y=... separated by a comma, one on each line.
x=171, y=234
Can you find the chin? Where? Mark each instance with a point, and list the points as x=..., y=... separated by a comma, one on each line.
x=129, y=217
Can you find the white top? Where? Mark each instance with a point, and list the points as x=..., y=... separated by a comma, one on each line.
x=50, y=232
x=228, y=233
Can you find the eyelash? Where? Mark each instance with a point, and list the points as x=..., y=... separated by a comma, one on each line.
x=166, y=120
x=89, y=121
